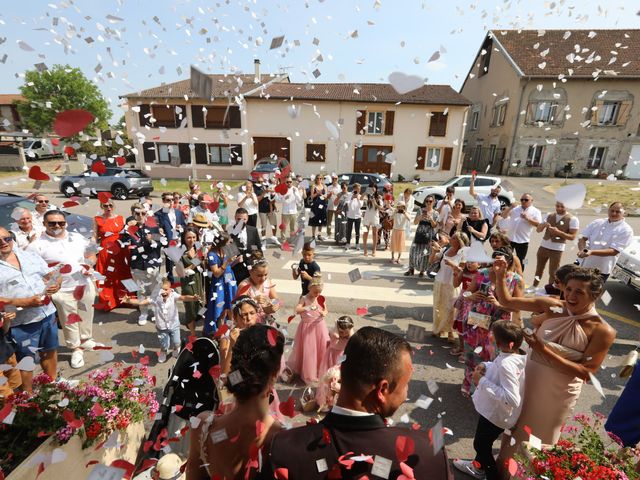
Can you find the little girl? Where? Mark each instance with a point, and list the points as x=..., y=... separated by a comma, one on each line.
x=462, y=276
x=337, y=341
x=312, y=335
x=260, y=288
x=222, y=212
x=401, y=222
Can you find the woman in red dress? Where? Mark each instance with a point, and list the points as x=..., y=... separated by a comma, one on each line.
x=111, y=258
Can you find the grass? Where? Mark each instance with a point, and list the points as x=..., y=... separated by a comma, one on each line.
x=603, y=192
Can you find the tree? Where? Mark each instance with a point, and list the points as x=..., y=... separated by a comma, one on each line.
x=52, y=91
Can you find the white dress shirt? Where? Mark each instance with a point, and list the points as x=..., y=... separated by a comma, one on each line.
x=334, y=190
x=348, y=412
x=498, y=396
x=520, y=228
x=574, y=224
x=166, y=312
x=488, y=205
x=290, y=201
x=250, y=204
x=22, y=237
x=354, y=207
x=601, y=234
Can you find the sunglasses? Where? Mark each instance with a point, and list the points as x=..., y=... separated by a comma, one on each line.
x=107, y=205
x=139, y=213
x=59, y=224
x=525, y=199
x=429, y=201
x=42, y=201
x=8, y=239
x=289, y=183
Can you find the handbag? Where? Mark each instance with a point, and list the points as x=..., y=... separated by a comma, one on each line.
x=387, y=223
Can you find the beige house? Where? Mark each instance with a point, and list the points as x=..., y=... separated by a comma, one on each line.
x=319, y=128
x=543, y=101
x=9, y=117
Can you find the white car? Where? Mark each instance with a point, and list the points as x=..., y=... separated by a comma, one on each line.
x=482, y=185
x=39, y=148
x=627, y=269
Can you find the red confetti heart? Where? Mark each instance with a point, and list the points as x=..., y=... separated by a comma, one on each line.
x=286, y=247
x=104, y=197
x=235, y=439
x=66, y=268
x=71, y=419
x=55, y=142
x=70, y=122
x=78, y=292
x=69, y=150
x=243, y=289
x=527, y=429
x=281, y=188
x=121, y=161
x=326, y=436
x=5, y=411
x=282, y=227
x=282, y=473
x=73, y=318
x=46, y=300
x=70, y=203
x=151, y=222
x=362, y=311
x=126, y=466
x=99, y=167
x=221, y=331
x=321, y=300
x=144, y=360
x=36, y=173
x=97, y=409
x=272, y=336
x=147, y=464
x=197, y=374
x=215, y=371
x=407, y=472
x=291, y=317
x=512, y=467
x=415, y=426
x=287, y=408
x=405, y=446
x=213, y=207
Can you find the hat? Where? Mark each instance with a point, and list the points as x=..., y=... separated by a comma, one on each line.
x=168, y=468
x=200, y=220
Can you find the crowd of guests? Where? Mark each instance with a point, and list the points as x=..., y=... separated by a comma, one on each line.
x=53, y=275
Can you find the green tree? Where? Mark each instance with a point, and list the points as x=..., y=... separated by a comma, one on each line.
x=56, y=90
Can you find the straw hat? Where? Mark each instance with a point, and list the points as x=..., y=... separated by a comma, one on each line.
x=200, y=220
x=168, y=468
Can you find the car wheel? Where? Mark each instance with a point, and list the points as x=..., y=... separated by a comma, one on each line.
x=119, y=191
x=68, y=189
x=504, y=202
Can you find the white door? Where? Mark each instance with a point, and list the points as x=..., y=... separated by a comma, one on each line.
x=633, y=165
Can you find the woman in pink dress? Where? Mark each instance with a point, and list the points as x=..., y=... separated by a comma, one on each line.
x=261, y=289
x=111, y=260
x=312, y=335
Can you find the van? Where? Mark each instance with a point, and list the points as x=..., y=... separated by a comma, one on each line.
x=38, y=148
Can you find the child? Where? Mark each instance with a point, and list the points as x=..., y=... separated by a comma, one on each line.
x=462, y=276
x=337, y=341
x=165, y=310
x=312, y=335
x=401, y=222
x=223, y=287
x=222, y=212
x=498, y=398
x=307, y=268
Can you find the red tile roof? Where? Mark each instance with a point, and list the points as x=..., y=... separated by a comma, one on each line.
x=9, y=98
x=549, y=53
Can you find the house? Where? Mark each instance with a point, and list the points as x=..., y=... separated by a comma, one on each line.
x=9, y=117
x=318, y=127
x=547, y=102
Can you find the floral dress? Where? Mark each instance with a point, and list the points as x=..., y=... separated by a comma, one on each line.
x=221, y=293
x=479, y=344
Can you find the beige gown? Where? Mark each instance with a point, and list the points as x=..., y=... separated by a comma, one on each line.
x=549, y=395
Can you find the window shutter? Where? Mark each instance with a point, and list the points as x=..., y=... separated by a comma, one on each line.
x=625, y=109
x=149, y=150
x=446, y=161
x=361, y=122
x=178, y=117
x=388, y=122
x=236, y=153
x=422, y=153
x=531, y=113
x=596, y=113
x=143, y=115
x=185, y=153
x=201, y=154
x=197, y=116
x=438, y=124
x=234, y=117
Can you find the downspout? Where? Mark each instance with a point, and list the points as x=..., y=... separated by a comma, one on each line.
x=460, y=145
x=515, y=126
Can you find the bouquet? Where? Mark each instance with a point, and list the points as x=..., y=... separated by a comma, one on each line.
x=108, y=400
x=580, y=453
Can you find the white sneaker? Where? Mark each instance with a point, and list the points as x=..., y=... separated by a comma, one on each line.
x=142, y=321
x=468, y=467
x=77, y=359
x=90, y=344
x=275, y=240
x=321, y=238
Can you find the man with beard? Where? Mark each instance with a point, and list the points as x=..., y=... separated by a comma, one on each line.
x=247, y=239
x=489, y=204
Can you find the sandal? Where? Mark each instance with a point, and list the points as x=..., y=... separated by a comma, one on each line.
x=408, y=273
x=421, y=274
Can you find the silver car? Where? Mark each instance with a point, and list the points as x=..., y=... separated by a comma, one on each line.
x=121, y=182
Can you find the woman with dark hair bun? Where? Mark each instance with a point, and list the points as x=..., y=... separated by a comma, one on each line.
x=191, y=278
x=229, y=446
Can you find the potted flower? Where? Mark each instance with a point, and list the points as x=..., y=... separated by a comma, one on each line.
x=69, y=424
x=582, y=452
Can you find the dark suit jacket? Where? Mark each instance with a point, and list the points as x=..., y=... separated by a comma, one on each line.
x=165, y=224
x=298, y=449
x=253, y=244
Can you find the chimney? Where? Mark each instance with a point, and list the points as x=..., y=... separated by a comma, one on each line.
x=256, y=66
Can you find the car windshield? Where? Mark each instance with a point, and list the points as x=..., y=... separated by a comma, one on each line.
x=6, y=210
x=28, y=144
x=265, y=167
x=451, y=180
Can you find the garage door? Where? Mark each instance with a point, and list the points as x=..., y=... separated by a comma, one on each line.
x=269, y=146
x=371, y=159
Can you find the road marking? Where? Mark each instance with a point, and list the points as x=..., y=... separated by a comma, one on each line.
x=617, y=317
x=367, y=271
x=362, y=293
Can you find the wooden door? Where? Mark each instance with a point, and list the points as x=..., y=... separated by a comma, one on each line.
x=371, y=159
x=269, y=146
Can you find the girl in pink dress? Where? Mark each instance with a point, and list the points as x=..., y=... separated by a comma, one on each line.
x=312, y=335
x=261, y=289
x=337, y=341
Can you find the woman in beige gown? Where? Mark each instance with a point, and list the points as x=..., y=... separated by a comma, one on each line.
x=569, y=344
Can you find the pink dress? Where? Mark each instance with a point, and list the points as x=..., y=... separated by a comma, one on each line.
x=309, y=345
x=247, y=288
x=335, y=348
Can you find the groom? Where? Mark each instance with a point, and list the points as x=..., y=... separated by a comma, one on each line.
x=247, y=239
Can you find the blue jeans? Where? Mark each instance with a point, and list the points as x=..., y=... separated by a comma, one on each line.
x=170, y=335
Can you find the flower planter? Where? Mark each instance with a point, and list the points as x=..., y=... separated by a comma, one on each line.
x=75, y=463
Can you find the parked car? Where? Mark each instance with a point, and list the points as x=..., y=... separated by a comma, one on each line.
x=627, y=269
x=267, y=166
x=121, y=182
x=483, y=185
x=38, y=148
x=8, y=202
x=363, y=179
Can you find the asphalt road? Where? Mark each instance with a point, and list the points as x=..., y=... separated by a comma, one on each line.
x=394, y=302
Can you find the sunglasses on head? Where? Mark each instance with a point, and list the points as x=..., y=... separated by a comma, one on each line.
x=59, y=224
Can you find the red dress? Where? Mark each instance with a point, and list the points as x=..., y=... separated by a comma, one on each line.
x=111, y=262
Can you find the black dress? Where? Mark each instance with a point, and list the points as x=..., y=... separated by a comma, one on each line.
x=318, y=215
x=476, y=225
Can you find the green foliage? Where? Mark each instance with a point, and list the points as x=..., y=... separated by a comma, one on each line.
x=65, y=88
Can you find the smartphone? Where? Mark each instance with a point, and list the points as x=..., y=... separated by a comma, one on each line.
x=484, y=288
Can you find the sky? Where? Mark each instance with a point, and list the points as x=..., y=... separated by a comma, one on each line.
x=129, y=45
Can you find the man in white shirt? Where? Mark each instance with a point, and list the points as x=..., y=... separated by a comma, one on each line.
x=524, y=218
x=602, y=241
x=67, y=253
x=489, y=204
x=290, y=201
x=558, y=228
x=354, y=215
x=41, y=207
x=203, y=207
x=26, y=232
x=332, y=192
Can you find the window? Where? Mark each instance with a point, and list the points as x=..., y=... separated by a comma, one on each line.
x=433, y=159
x=545, y=112
x=168, y=153
x=535, y=155
x=221, y=117
x=485, y=57
x=374, y=123
x=475, y=119
x=219, y=154
x=463, y=182
x=438, y=124
x=316, y=152
x=484, y=182
x=499, y=112
x=492, y=153
x=596, y=157
x=608, y=113
x=164, y=115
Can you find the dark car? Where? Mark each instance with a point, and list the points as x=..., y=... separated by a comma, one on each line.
x=267, y=166
x=363, y=179
x=121, y=182
x=8, y=202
